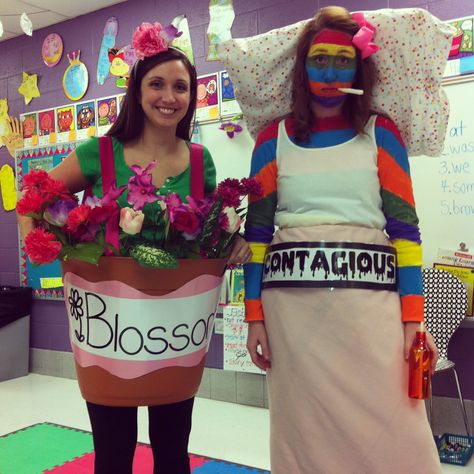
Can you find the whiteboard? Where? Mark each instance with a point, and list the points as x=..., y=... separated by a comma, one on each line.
x=444, y=186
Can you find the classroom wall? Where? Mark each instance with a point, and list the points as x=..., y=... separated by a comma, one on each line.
x=49, y=330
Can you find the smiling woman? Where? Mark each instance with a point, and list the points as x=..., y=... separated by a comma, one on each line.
x=152, y=132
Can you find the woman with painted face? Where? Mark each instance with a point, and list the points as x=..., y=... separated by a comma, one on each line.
x=334, y=297
x=154, y=125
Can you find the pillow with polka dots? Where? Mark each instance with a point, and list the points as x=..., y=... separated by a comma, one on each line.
x=414, y=47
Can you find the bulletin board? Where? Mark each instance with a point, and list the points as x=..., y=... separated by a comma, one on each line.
x=45, y=280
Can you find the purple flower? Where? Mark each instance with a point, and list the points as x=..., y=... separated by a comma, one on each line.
x=230, y=128
x=139, y=194
x=169, y=33
x=113, y=193
x=57, y=213
x=140, y=188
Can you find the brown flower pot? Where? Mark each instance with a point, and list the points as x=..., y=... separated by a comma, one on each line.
x=140, y=335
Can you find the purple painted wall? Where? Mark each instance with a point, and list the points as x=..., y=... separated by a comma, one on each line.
x=49, y=330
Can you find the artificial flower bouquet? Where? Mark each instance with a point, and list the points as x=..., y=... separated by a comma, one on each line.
x=155, y=236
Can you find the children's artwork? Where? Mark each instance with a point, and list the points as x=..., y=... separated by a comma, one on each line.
x=236, y=356
x=120, y=101
x=466, y=275
x=183, y=41
x=221, y=13
x=46, y=127
x=107, y=113
x=29, y=123
x=52, y=49
x=461, y=55
x=29, y=87
x=7, y=185
x=13, y=139
x=76, y=77
x=229, y=104
x=85, y=120
x=45, y=280
x=121, y=63
x=4, y=129
x=108, y=42
x=237, y=288
x=66, y=130
x=207, y=98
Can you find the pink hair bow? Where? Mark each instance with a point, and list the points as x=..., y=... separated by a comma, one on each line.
x=363, y=38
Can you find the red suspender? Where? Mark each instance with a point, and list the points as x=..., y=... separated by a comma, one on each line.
x=107, y=168
x=197, y=171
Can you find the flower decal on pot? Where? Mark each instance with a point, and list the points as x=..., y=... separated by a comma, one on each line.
x=75, y=308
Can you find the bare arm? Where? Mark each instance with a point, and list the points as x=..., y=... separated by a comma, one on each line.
x=70, y=173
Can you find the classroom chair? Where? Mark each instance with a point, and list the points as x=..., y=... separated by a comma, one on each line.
x=445, y=307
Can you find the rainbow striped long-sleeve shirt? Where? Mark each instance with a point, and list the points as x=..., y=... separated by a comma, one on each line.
x=396, y=194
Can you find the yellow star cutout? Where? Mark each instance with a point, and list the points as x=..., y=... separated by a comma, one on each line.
x=29, y=87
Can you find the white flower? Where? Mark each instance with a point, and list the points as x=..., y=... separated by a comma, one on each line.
x=131, y=221
x=233, y=221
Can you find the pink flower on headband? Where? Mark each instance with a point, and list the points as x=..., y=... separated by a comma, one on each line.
x=363, y=38
x=149, y=40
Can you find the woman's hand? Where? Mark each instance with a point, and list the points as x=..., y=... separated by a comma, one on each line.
x=241, y=252
x=257, y=338
x=410, y=332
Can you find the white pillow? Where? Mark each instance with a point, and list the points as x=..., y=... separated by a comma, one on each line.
x=414, y=48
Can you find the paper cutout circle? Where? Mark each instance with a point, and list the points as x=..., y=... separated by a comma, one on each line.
x=52, y=49
x=75, y=80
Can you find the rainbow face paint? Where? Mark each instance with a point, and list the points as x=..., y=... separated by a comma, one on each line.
x=330, y=64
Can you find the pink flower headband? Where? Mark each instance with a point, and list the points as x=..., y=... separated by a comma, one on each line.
x=363, y=38
x=150, y=39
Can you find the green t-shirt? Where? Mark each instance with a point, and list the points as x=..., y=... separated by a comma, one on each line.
x=89, y=161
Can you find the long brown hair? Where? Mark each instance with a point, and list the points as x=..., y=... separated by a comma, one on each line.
x=130, y=122
x=356, y=108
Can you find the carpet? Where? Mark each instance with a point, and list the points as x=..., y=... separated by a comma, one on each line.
x=47, y=448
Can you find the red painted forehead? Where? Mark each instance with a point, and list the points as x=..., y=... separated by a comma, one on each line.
x=333, y=36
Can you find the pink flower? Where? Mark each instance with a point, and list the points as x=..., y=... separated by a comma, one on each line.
x=149, y=40
x=230, y=192
x=231, y=221
x=42, y=246
x=251, y=186
x=140, y=188
x=131, y=221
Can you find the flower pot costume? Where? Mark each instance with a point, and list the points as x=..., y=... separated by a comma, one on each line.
x=140, y=335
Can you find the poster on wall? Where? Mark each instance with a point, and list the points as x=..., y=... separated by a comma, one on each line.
x=29, y=124
x=85, y=120
x=106, y=113
x=236, y=356
x=229, y=105
x=45, y=280
x=46, y=127
x=207, y=108
x=65, y=125
x=461, y=55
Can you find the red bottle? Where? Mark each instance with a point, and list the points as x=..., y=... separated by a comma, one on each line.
x=419, y=381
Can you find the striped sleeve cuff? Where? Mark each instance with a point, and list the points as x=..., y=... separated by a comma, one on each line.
x=412, y=308
x=253, y=310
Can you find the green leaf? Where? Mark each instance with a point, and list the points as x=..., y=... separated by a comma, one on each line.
x=88, y=252
x=152, y=257
x=210, y=223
